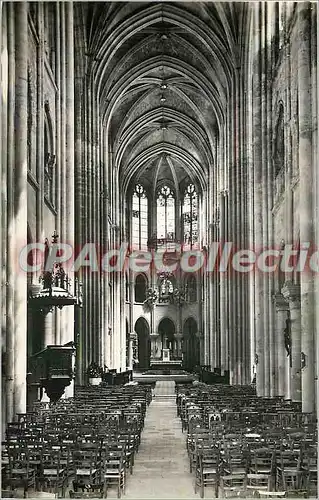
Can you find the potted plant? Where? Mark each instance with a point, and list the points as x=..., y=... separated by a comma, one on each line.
x=95, y=373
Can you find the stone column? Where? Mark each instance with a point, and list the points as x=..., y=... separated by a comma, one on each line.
x=69, y=156
x=205, y=339
x=123, y=323
x=48, y=329
x=244, y=233
x=223, y=312
x=291, y=293
x=226, y=280
x=282, y=307
x=306, y=201
x=39, y=158
x=233, y=226
x=79, y=241
x=20, y=202
x=215, y=321
x=133, y=337
x=105, y=287
x=208, y=235
x=238, y=227
x=9, y=223
x=153, y=339
x=3, y=173
x=258, y=215
x=130, y=353
x=270, y=32
x=58, y=36
x=288, y=379
x=179, y=337
x=265, y=194
x=211, y=283
x=314, y=60
x=96, y=240
x=61, y=144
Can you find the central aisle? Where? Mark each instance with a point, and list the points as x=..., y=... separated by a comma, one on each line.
x=161, y=467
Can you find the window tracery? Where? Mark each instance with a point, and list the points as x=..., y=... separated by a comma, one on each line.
x=165, y=201
x=139, y=218
x=190, y=215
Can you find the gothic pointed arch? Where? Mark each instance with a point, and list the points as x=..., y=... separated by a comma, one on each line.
x=191, y=346
x=140, y=288
x=143, y=340
x=139, y=219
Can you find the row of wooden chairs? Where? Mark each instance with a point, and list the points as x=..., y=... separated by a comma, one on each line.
x=81, y=442
x=231, y=470
x=262, y=447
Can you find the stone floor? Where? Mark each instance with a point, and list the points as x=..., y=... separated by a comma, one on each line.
x=161, y=467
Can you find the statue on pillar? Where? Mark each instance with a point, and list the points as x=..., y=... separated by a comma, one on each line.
x=287, y=337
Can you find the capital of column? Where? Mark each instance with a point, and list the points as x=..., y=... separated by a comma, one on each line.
x=133, y=336
x=291, y=292
x=154, y=334
x=280, y=302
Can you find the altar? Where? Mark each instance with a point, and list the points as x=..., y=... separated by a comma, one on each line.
x=166, y=355
x=166, y=362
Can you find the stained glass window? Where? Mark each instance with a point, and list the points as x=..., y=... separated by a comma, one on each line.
x=165, y=213
x=139, y=218
x=190, y=216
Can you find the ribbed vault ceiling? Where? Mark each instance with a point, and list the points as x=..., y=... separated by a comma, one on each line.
x=164, y=75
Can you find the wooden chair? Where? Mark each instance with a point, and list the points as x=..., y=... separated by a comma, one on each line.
x=53, y=477
x=20, y=473
x=86, y=462
x=113, y=472
x=290, y=477
x=233, y=475
x=129, y=443
x=207, y=470
x=310, y=469
x=260, y=470
x=35, y=454
x=214, y=418
x=194, y=441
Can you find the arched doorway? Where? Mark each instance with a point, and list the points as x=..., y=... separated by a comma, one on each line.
x=190, y=345
x=144, y=343
x=166, y=330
